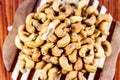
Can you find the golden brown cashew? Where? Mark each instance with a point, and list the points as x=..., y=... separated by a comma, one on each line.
x=67, y=21
x=64, y=71
x=42, y=8
x=63, y=61
x=98, y=40
x=40, y=65
x=53, y=60
x=59, y=31
x=95, y=34
x=25, y=36
x=52, y=38
x=70, y=48
x=84, y=49
x=103, y=27
x=75, y=19
x=46, y=47
x=40, y=16
x=71, y=75
x=53, y=73
x=81, y=4
x=79, y=64
x=56, y=4
x=64, y=41
x=22, y=66
x=73, y=57
x=107, y=48
x=74, y=37
x=90, y=30
x=91, y=20
x=46, y=57
x=43, y=72
x=81, y=76
x=36, y=54
x=27, y=50
x=77, y=27
x=99, y=51
x=87, y=41
x=68, y=10
x=92, y=10
x=90, y=68
x=50, y=13
x=72, y=1
x=77, y=12
x=49, y=1
x=61, y=17
x=18, y=43
x=56, y=51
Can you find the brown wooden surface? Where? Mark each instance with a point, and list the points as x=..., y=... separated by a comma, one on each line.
x=7, y=12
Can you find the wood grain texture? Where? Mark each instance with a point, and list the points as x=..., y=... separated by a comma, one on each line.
x=7, y=12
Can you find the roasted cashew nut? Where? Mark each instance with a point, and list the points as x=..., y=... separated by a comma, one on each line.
x=90, y=30
x=77, y=12
x=63, y=61
x=36, y=54
x=46, y=47
x=72, y=1
x=40, y=65
x=73, y=57
x=90, y=68
x=40, y=16
x=22, y=66
x=18, y=43
x=98, y=40
x=92, y=10
x=64, y=71
x=56, y=51
x=99, y=51
x=103, y=27
x=25, y=36
x=56, y=4
x=68, y=10
x=81, y=4
x=79, y=64
x=87, y=41
x=75, y=19
x=91, y=20
x=50, y=13
x=43, y=72
x=70, y=48
x=64, y=41
x=42, y=8
x=71, y=75
x=95, y=34
x=52, y=38
x=81, y=76
x=107, y=48
x=50, y=1
x=74, y=37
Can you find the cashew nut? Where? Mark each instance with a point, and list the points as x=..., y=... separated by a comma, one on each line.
x=98, y=40
x=77, y=12
x=56, y=51
x=46, y=47
x=92, y=10
x=79, y=64
x=74, y=37
x=40, y=65
x=49, y=1
x=50, y=13
x=103, y=27
x=36, y=54
x=95, y=34
x=81, y=4
x=64, y=41
x=90, y=30
x=40, y=16
x=42, y=8
x=107, y=48
x=90, y=68
x=81, y=76
x=87, y=41
x=56, y=4
x=75, y=19
x=91, y=20
x=53, y=60
x=52, y=38
x=64, y=71
x=73, y=57
x=63, y=61
x=71, y=75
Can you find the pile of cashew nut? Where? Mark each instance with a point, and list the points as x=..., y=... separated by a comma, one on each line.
x=73, y=46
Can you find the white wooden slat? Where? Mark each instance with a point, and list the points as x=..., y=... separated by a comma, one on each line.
x=15, y=72
x=25, y=75
x=95, y=3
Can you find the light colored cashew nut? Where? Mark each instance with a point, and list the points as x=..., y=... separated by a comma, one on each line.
x=73, y=57
x=84, y=49
x=91, y=20
x=40, y=65
x=52, y=38
x=90, y=68
x=77, y=27
x=18, y=43
x=70, y=48
x=43, y=72
x=107, y=48
x=25, y=36
x=98, y=40
x=40, y=16
x=103, y=27
x=92, y=10
x=42, y=8
x=53, y=73
x=74, y=37
x=79, y=64
x=36, y=54
x=63, y=61
x=99, y=51
x=64, y=41
x=50, y=13
x=53, y=60
x=90, y=30
x=75, y=19
x=68, y=10
x=64, y=71
x=87, y=41
x=71, y=75
x=56, y=51
x=46, y=47
x=81, y=4
x=81, y=76
x=95, y=34
x=56, y=4
x=49, y=1
x=27, y=50
x=72, y=1
x=22, y=66
x=77, y=12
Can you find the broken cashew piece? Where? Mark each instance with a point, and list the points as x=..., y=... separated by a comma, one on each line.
x=71, y=75
x=63, y=61
x=36, y=54
x=90, y=68
x=73, y=57
x=56, y=51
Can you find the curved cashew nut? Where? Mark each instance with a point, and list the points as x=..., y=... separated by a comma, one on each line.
x=92, y=10
x=91, y=20
x=53, y=60
x=43, y=72
x=56, y=4
x=52, y=38
x=22, y=66
x=36, y=54
x=98, y=40
x=81, y=4
x=79, y=64
x=99, y=51
x=68, y=10
x=81, y=76
x=84, y=49
x=46, y=47
x=74, y=37
x=40, y=65
x=107, y=48
x=50, y=13
x=77, y=12
x=64, y=41
x=95, y=34
x=53, y=73
x=40, y=16
x=56, y=51
x=87, y=41
x=64, y=71
x=90, y=68
x=103, y=27
x=63, y=61
x=77, y=27
x=90, y=30
x=42, y=8
x=75, y=19
x=27, y=50
x=46, y=57
x=73, y=57
x=70, y=48
x=18, y=43
x=49, y=1
x=71, y=75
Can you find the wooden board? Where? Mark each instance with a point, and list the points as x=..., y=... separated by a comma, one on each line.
x=7, y=11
